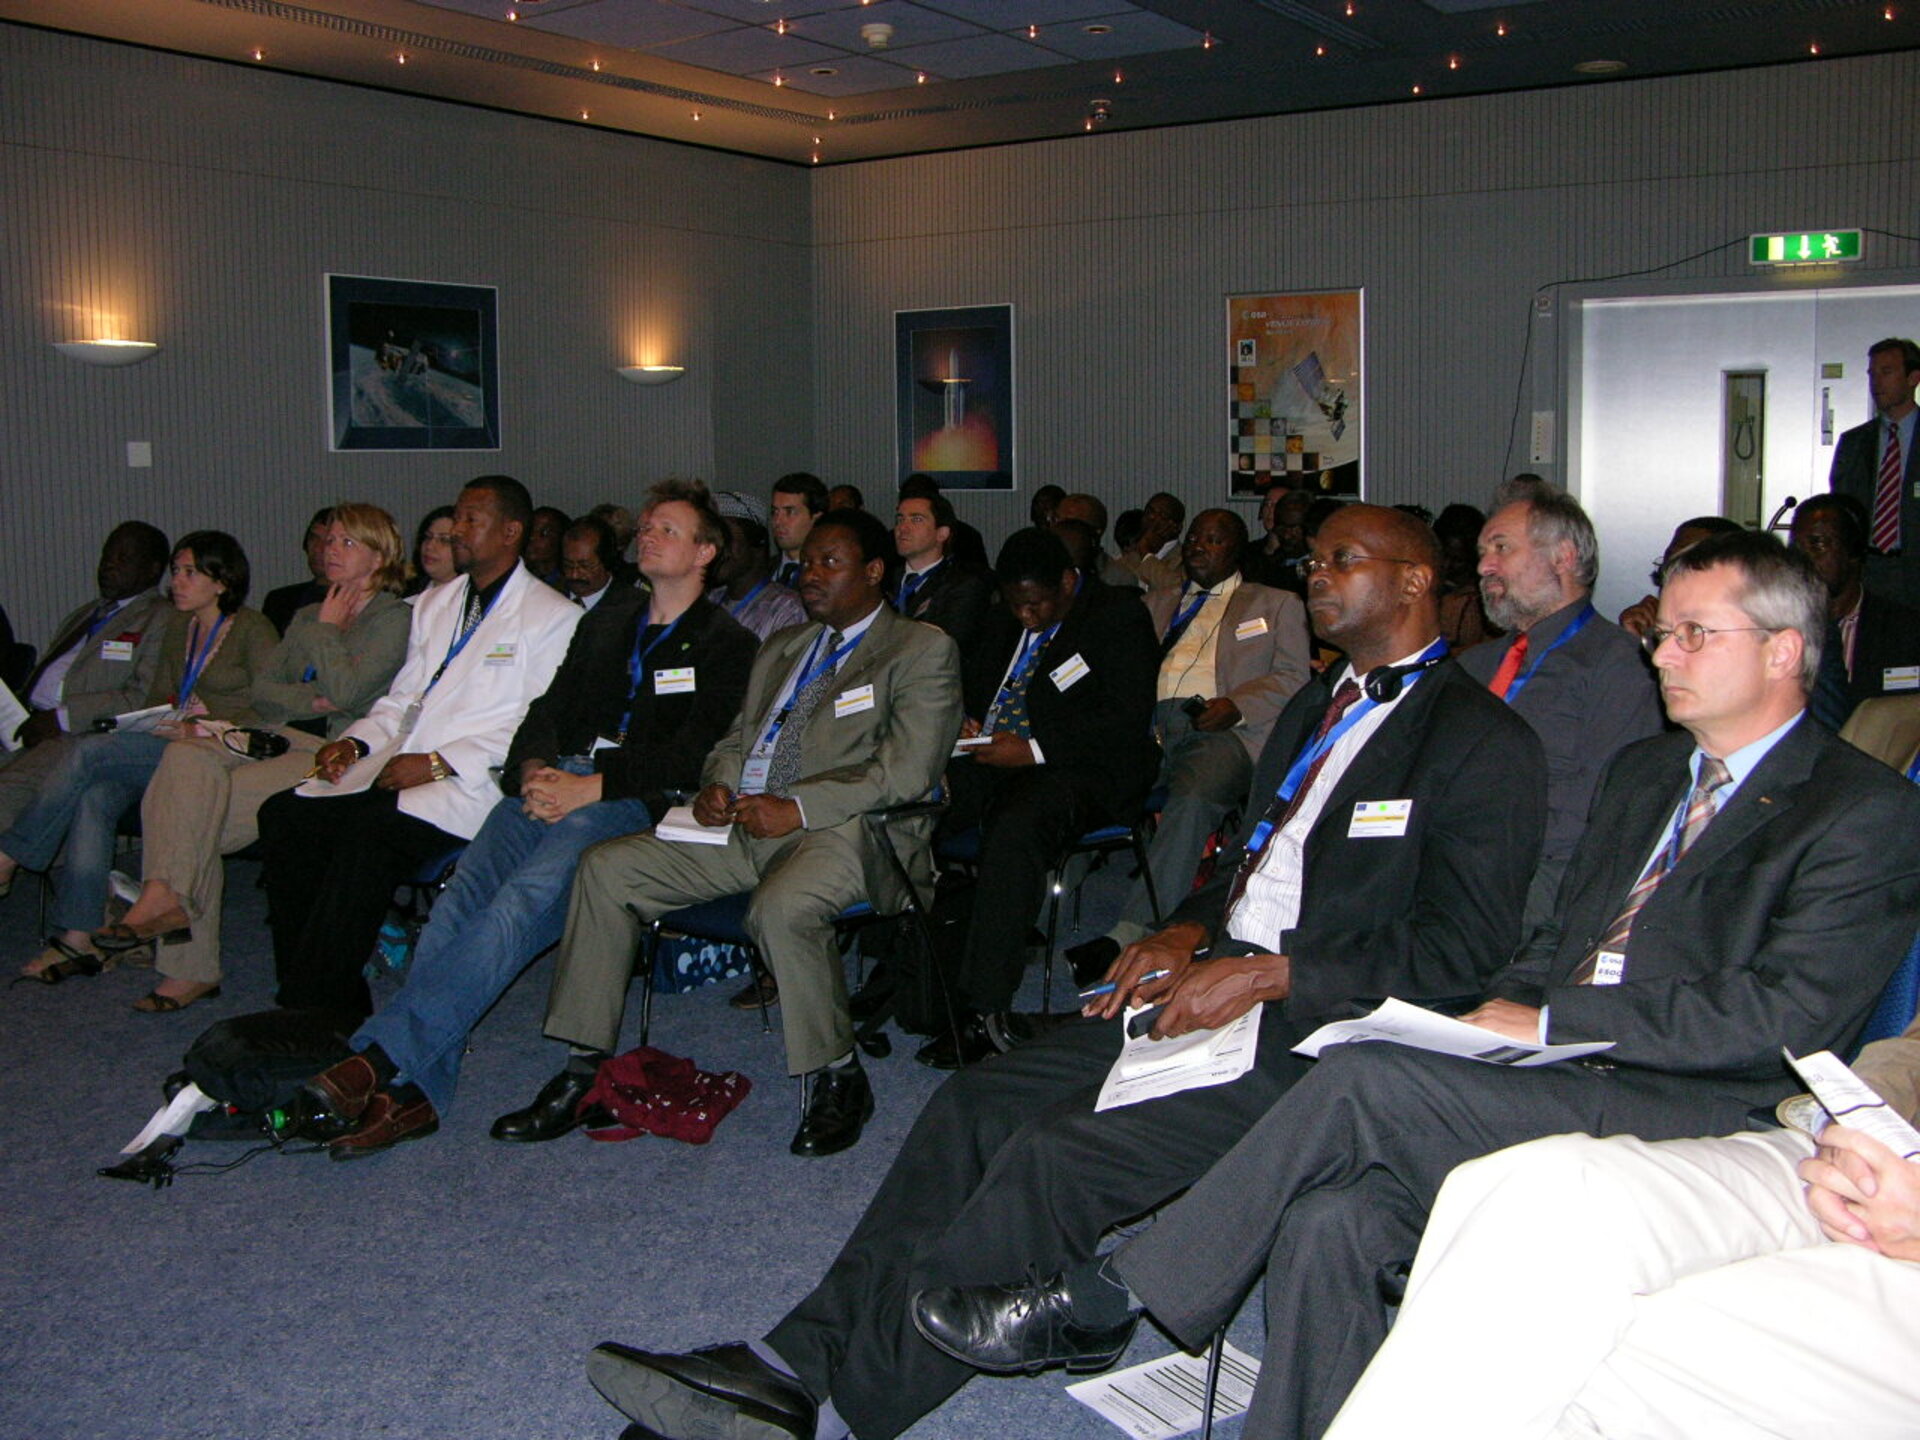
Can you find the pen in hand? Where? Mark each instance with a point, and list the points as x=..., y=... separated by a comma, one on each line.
x=1108, y=987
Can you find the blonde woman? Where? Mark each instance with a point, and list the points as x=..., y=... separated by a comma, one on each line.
x=336, y=660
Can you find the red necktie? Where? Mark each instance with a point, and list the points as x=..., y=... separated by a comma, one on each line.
x=1510, y=664
x=1886, y=496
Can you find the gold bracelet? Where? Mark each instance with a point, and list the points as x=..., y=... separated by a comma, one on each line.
x=436, y=767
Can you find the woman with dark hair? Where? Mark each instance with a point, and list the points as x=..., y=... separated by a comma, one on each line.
x=204, y=799
x=213, y=649
x=432, y=551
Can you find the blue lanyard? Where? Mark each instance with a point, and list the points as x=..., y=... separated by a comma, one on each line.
x=466, y=633
x=1574, y=627
x=752, y=595
x=1297, y=772
x=190, y=676
x=637, y=665
x=1913, y=767
x=1184, y=619
x=107, y=610
x=811, y=673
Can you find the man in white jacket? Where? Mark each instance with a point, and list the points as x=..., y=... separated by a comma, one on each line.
x=412, y=779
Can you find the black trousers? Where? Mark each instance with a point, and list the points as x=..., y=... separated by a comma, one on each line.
x=1333, y=1185
x=1027, y=817
x=1007, y=1166
x=331, y=866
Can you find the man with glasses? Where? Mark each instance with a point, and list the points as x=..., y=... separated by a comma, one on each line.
x=1746, y=883
x=1398, y=819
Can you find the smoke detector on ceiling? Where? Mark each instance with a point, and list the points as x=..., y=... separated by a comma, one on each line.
x=876, y=35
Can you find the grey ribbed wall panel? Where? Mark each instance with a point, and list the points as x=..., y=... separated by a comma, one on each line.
x=1116, y=251
x=205, y=202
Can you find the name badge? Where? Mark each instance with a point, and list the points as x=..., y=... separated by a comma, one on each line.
x=852, y=702
x=1898, y=677
x=753, y=774
x=501, y=652
x=116, y=650
x=673, y=682
x=1250, y=629
x=1608, y=967
x=1071, y=672
x=1382, y=819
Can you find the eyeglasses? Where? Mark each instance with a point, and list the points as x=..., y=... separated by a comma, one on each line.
x=1345, y=560
x=1690, y=637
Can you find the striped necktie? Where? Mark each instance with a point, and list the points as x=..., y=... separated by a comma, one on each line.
x=1885, y=536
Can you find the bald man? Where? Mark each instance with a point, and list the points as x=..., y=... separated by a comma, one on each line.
x=1309, y=910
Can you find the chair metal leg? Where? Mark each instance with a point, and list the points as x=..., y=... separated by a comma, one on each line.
x=1053, y=934
x=757, y=968
x=1214, y=1354
x=1146, y=871
x=650, y=947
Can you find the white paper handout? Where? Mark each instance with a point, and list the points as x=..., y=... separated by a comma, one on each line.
x=1148, y=1068
x=356, y=777
x=12, y=716
x=679, y=826
x=143, y=722
x=1162, y=1398
x=1854, y=1103
x=1406, y=1024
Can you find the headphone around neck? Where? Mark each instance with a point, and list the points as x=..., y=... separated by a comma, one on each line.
x=1383, y=685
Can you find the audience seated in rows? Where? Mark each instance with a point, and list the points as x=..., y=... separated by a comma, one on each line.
x=649, y=684
x=281, y=605
x=1876, y=639
x=204, y=799
x=211, y=651
x=743, y=576
x=541, y=554
x=433, y=562
x=588, y=558
x=798, y=500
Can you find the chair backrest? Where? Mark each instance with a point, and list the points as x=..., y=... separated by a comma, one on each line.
x=1898, y=1003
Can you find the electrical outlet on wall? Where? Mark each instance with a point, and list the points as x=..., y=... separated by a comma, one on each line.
x=139, y=454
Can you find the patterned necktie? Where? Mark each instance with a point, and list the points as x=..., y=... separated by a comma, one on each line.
x=1510, y=664
x=1700, y=810
x=1279, y=811
x=1886, y=496
x=784, y=768
x=1009, y=709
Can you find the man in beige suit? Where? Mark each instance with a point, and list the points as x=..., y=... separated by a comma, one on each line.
x=1232, y=653
x=854, y=711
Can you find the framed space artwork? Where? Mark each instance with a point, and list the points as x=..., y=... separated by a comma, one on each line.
x=954, y=396
x=412, y=365
x=1295, y=364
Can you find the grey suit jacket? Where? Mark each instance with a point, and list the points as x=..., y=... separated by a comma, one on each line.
x=1260, y=671
x=854, y=756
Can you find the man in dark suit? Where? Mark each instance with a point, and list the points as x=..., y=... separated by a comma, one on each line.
x=280, y=606
x=1059, y=698
x=1874, y=464
x=651, y=680
x=1010, y=1162
x=100, y=661
x=932, y=586
x=852, y=712
x=1736, y=892
x=1878, y=638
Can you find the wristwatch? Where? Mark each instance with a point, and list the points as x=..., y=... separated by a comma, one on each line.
x=436, y=767
x=361, y=748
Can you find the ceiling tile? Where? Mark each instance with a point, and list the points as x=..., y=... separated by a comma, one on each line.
x=912, y=25
x=765, y=12
x=633, y=24
x=1135, y=34
x=497, y=9
x=983, y=55
x=745, y=50
x=852, y=75
x=1019, y=14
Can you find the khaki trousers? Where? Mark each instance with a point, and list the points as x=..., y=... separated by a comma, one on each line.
x=202, y=804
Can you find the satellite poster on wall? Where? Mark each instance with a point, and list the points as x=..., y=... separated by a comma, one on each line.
x=1294, y=370
x=954, y=385
x=412, y=365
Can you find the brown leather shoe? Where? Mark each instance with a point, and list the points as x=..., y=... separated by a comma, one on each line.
x=347, y=1087
x=764, y=990
x=388, y=1122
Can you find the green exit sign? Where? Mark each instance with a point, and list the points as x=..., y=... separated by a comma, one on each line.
x=1805, y=247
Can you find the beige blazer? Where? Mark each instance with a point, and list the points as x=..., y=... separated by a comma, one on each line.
x=1258, y=667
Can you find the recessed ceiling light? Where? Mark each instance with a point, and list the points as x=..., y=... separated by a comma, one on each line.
x=1097, y=29
x=823, y=71
x=1601, y=67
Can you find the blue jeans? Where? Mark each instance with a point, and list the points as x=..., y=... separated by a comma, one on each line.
x=96, y=779
x=507, y=903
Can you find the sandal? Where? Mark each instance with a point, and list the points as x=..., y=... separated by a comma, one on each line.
x=59, y=960
x=120, y=936
x=154, y=1003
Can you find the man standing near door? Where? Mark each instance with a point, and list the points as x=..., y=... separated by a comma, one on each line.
x=1874, y=464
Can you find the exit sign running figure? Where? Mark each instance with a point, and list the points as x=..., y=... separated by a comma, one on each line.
x=1806, y=247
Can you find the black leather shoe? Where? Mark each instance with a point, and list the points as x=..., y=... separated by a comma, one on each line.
x=1091, y=959
x=976, y=1039
x=842, y=1104
x=1016, y=1329
x=554, y=1112
x=723, y=1390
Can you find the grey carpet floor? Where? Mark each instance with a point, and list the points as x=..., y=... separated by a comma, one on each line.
x=449, y=1288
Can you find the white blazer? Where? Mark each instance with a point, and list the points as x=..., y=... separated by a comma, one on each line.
x=470, y=717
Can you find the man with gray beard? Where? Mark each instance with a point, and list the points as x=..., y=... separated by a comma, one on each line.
x=1579, y=680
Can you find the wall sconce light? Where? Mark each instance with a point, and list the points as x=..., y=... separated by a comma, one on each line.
x=650, y=374
x=108, y=352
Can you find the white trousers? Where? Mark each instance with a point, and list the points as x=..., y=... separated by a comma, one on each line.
x=1583, y=1287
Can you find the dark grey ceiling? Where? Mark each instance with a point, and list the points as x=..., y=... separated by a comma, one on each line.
x=809, y=81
